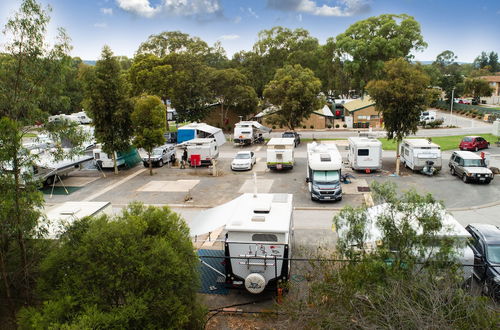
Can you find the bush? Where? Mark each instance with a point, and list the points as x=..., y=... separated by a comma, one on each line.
x=436, y=123
x=274, y=126
x=135, y=270
x=337, y=125
x=312, y=126
x=345, y=125
x=304, y=126
x=329, y=126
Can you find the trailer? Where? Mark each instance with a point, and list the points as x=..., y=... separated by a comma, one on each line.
x=280, y=153
x=249, y=132
x=48, y=170
x=128, y=158
x=199, y=152
x=200, y=130
x=324, y=164
x=364, y=153
x=258, y=239
x=419, y=153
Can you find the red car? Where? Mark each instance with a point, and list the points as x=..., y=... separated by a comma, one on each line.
x=473, y=143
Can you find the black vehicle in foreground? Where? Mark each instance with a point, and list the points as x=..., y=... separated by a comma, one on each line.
x=293, y=135
x=486, y=246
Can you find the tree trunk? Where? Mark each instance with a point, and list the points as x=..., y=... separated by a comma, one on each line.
x=398, y=159
x=150, y=164
x=114, y=162
x=6, y=282
x=222, y=115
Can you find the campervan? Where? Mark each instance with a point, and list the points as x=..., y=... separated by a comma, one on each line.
x=200, y=130
x=201, y=151
x=280, y=153
x=248, y=132
x=416, y=153
x=324, y=164
x=128, y=158
x=364, y=153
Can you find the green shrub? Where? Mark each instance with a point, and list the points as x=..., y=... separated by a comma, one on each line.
x=312, y=126
x=345, y=125
x=329, y=126
x=304, y=126
x=337, y=125
x=274, y=126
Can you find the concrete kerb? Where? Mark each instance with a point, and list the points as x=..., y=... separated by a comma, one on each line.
x=477, y=207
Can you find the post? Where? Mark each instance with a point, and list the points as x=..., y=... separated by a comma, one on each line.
x=451, y=105
x=398, y=159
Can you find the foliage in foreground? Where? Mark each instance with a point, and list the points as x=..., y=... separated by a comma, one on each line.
x=385, y=285
x=136, y=270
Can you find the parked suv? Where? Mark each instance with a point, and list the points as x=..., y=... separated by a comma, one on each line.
x=473, y=143
x=294, y=135
x=161, y=155
x=469, y=167
x=486, y=246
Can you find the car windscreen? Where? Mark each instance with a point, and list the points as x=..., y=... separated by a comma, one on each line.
x=493, y=253
x=242, y=156
x=326, y=176
x=467, y=139
x=473, y=163
x=157, y=152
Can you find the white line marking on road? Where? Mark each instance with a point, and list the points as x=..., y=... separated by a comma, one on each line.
x=114, y=185
x=258, y=148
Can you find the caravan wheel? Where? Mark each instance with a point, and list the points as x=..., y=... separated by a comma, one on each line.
x=50, y=180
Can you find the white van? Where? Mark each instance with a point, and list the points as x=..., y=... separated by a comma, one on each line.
x=280, y=153
x=364, y=153
x=415, y=153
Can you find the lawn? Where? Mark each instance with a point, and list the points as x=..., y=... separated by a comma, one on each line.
x=445, y=142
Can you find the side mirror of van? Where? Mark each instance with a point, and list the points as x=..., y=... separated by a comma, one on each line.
x=307, y=180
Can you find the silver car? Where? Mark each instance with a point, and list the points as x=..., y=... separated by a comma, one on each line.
x=161, y=155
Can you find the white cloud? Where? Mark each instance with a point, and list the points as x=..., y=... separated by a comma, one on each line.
x=299, y=17
x=100, y=25
x=107, y=11
x=171, y=7
x=237, y=19
x=344, y=7
x=229, y=37
x=252, y=13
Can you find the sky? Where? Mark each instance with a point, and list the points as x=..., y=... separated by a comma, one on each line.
x=465, y=27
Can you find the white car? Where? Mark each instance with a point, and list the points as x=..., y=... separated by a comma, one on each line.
x=244, y=160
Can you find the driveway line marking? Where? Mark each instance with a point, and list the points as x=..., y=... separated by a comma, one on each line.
x=114, y=185
x=258, y=148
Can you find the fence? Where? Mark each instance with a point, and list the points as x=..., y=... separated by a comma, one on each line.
x=467, y=107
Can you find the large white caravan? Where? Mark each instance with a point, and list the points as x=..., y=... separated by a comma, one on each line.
x=128, y=158
x=324, y=164
x=205, y=150
x=248, y=132
x=258, y=241
x=280, y=153
x=364, y=153
x=415, y=153
x=47, y=169
x=200, y=130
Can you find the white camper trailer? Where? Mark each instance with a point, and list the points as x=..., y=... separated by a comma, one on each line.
x=324, y=164
x=248, y=132
x=280, y=153
x=206, y=149
x=200, y=130
x=415, y=153
x=364, y=153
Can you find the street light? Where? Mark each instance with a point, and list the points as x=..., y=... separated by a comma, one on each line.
x=451, y=107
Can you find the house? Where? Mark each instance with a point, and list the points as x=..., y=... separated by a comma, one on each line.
x=494, y=82
x=363, y=113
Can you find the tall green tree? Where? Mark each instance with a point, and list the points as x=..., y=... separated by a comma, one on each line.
x=451, y=77
x=232, y=91
x=400, y=96
x=295, y=91
x=148, y=120
x=477, y=88
x=367, y=44
x=134, y=270
x=109, y=105
x=28, y=66
x=488, y=62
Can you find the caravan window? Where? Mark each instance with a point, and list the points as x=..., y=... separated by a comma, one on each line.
x=363, y=152
x=264, y=238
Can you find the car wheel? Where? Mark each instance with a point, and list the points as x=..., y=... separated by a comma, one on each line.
x=464, y=178
x=160, y=163
x=452, y=171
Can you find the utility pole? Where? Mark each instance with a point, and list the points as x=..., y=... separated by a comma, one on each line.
x=451, y=106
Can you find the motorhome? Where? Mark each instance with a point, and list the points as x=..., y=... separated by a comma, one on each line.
x=200, y=151
x=451, y=228
x=249, y=132
x=324, y=164
x=200, y=130
x=258, y=240
x=415, y=153
x=128, y=158
x=364, y=154
x=280, y=153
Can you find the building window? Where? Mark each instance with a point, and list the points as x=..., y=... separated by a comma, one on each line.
x=361, y=117
x=374, y=117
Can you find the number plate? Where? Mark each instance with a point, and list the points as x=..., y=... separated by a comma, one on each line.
x=482, y=179
x=279, y=166
x=327, y=197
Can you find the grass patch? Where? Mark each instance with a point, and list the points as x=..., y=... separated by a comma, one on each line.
x=30, y=135
x=445, y=142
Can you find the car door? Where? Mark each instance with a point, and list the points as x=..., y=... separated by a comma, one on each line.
x=459, y=168
x=164, y=156
x=479, y=258
x=252, y=154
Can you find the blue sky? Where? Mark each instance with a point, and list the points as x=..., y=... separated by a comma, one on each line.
x=466, y=27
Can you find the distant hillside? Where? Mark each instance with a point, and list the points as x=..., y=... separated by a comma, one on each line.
x=89, y=62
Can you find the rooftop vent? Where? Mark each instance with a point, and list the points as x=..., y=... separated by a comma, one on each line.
x=325, y=158
x=258, y=218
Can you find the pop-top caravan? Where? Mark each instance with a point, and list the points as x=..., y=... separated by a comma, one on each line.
x=257, y=245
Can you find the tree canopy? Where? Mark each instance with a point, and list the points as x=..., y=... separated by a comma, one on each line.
x=295, y=91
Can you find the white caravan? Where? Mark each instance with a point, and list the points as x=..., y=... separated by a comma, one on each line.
x=206, y=149
x=47, y=169
x=428, y=116
x=280, y=153
x=324, y=164
x=200, y=130
x=364, y=154
x=258, y=240
x=415, y=153
x=127, y=158
x=248, y=132
x=82, y=117
x=63, y=117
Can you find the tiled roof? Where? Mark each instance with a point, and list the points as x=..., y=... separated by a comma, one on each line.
x=359, y=104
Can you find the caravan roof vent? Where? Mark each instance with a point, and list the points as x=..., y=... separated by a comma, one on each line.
x=70, y=211
x=258, y=218
x=325, y=158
